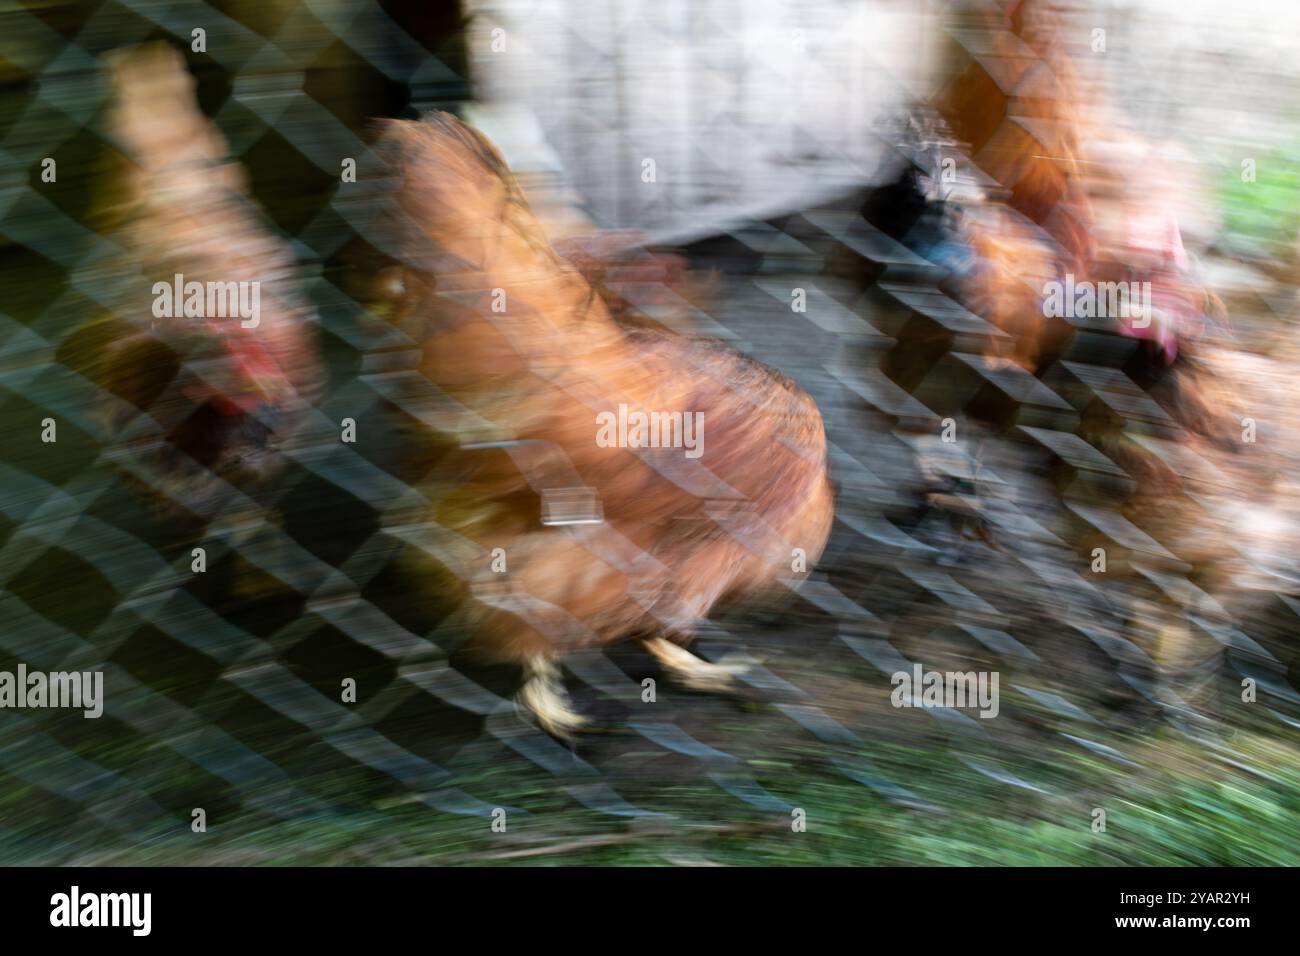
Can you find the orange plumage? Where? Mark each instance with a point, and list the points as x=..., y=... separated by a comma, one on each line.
x=517, y=335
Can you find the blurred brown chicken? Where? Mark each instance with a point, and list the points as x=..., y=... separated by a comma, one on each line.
x=1074, y=191
x=597, y=543
x=225, y=391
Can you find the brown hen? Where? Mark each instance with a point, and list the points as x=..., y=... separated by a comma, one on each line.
x=599, y=539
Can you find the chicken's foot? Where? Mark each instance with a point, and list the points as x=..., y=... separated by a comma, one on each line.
x=545, y=697
x=692, y=671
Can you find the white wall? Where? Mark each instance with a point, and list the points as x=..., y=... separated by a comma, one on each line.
x=740, y=103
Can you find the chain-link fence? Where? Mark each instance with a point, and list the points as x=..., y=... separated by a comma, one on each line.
x=224, y=688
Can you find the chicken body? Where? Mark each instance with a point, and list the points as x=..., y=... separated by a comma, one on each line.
x=1069, y=192
x=601, y=537
x=224, y=389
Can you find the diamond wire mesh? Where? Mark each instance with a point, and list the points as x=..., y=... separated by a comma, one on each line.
x=222, y=689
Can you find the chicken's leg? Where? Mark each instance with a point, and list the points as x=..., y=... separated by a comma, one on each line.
x=545, y=697
x=694, y=672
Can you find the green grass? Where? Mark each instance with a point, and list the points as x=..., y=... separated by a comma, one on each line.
x=1264, y=214
x=1181, y=807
